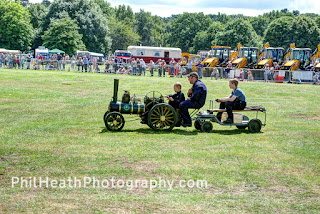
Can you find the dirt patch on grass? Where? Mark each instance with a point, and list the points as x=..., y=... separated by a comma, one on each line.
x=306, y=116
x=143, y=166
x=7, y=100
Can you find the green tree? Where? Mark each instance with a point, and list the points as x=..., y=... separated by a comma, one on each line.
x=214, y=28
x=122, y=35
x=158, y=31
x=15, y=29
x=238, y=31
x=145, y=28
x=317, y=21
x=277, y=32
x=125, y=13
x=38, y=13
x=311, y=15
x=259, y=24
x=122, y=31
x=300, y=30
x=105, y=7
x=204, y=39
x=23, y=2
x=296, y=12
x=63, y=34
x=46, y=3
x=200, y=42
x=304, y=32
x=88, y=15
x=185, y=27
x=220, y=17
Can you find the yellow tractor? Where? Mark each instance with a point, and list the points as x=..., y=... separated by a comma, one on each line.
x=299, y=59
x=247, y=58
x=270, y=56
x=262, y=53
x=218, y=56
x=288, y=52
x=187, y=57
x=235, y=52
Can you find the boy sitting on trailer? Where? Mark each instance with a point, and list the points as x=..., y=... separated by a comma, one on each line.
x=236, y=101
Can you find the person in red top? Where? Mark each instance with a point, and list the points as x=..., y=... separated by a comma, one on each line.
x=40, y=60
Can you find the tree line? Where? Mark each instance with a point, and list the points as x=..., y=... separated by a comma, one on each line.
x=94, y=25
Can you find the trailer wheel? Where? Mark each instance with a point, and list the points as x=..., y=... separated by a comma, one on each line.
x=114, y=121
x=254, y=125
x=162, y=117
x=206, y=126
x=197, y=124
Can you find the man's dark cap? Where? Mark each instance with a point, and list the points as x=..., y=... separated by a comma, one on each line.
x=193, y=74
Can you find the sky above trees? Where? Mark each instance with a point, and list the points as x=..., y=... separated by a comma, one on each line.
x=166, y=8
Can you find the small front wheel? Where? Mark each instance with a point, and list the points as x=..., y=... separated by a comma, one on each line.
x=114, y=121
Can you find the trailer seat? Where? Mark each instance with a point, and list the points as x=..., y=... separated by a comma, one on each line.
x=249, y=108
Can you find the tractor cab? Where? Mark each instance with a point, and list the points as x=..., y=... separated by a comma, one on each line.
x=218, y=56
x=247, y=57
x=276, y=54
x=300, y=58
x=270, y=56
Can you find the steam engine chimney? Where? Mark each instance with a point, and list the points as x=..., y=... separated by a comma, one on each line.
x=115, y=90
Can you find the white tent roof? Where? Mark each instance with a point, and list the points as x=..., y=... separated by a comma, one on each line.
x=96, y=54
x=42, y=51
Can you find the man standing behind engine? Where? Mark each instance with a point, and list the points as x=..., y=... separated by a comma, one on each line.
x=196, y=99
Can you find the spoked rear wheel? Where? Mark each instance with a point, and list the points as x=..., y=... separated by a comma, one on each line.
x=162, y=117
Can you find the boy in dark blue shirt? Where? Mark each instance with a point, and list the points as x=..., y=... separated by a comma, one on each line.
x=236, y=101
x=176, y=98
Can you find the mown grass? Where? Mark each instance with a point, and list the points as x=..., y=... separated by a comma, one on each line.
x=51, y=125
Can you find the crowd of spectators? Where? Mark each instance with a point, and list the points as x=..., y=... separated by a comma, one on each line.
x=134, y=66
x=139, y=67
x=16, y=61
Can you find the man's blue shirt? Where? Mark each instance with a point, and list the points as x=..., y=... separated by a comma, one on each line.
x=199, y=94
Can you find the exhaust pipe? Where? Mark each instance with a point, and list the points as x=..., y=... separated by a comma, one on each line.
x=115, y=90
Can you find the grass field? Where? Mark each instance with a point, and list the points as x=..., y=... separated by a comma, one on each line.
x=51, y=125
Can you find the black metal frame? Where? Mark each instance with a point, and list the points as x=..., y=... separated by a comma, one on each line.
x=213, y=118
